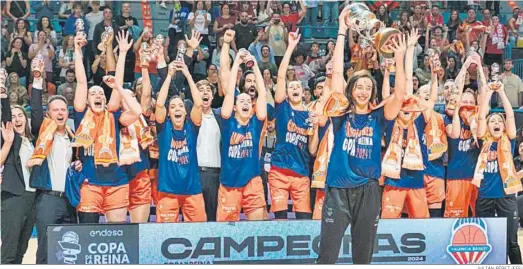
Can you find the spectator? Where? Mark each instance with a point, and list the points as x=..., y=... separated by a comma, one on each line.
x=330, y=12
x=383, y=15
x=93, y=18
x=487, y=19
x=452, y=70
x=99, y=68
x=488, y=6
x=66, y=9
x=224, y=22
x=15, y=99
x=403, y=23
x=265, y=62
x=69, y=95
x=263, y=15
x=70, y=78
x=292, y=19
x=497, y=39
x=307, y=97
x=255, y=48
x=126, y=21
x=417, y=20
x=276, y=33
x=70, y=23
x=17, y=10
x=100, y=27
x=16, y=60
x=213, y=9
x=214, y=79
x=200, y=20
x=200, y=63
x=268, y=80
x=314, y=54
x=423, y=73
x=437, y=40
x=434, y=18
x=453, y=24
x=216, y=53
x=44, y=48
x=514, y=25
x=471, y=26
x=18, y=88
x=246, y=7
x=44, y=24
x=45, y=8
x=245, y=32
x=22, y=31
x=178, y=20
x=513, y=84
x=415, y=83
x=66, y=56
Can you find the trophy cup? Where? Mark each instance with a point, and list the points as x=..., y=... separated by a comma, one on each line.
x=249, y=63
x=157, y=46
x=145, y=54
x=3, y=78
x=434, y=61
x=494, y=84
x=182, y=49
x=105, y=35
x=37, y=66
x=80, y=31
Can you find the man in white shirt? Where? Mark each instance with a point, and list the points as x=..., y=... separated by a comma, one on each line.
x=513, y=85
x=208, y=149
x=52, y=207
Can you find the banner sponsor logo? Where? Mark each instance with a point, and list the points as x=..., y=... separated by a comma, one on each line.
x=93, y=244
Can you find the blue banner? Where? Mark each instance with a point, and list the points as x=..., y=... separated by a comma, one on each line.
x=401, y=241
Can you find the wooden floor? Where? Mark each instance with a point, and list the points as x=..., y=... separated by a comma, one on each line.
x=30, y=255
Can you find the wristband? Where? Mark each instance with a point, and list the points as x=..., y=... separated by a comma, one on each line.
x=341, y=35
x=161, y=64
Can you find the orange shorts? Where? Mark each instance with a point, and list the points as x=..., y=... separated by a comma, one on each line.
x=280, y=186
x=461, y=195
x=435, y=189
x=153, y=176
x=318, y=203
x=168, y=208
x=232, y=200
x=100, y=199
x=140, y=190
x=394, y=199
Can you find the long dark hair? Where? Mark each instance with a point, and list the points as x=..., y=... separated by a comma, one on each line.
x=39, y=25
x=351, y=84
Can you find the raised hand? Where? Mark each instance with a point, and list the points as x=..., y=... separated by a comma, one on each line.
x=229, y=36
x=342, y=19
x=79, y=41
x=195, y=40
x=181, y=66
x=110, y=81
x=399, y=47
x=294, y=38
x=8, y=133
x=413, y=38
x=172, y=69
x=123, y=41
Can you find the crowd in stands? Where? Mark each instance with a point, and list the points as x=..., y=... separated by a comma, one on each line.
x=471, y=48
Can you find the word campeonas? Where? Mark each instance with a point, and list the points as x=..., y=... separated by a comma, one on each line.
x=179, y=152
x=296, y=134
x=106, y=253
x=293, y=245
x=240, y=145
x=358, y=142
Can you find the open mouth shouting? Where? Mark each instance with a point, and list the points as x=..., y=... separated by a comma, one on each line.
x=245, y=109
x=178, y=115
x=98, y=104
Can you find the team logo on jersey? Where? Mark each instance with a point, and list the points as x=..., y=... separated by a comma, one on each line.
x=469, y=242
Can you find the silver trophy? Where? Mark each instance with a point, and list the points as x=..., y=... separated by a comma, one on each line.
x=494, y=83
x=361, y=20
x=182, y=49
x=105, y=35
x=157, y=46
x=80, y=31
x=145, y=54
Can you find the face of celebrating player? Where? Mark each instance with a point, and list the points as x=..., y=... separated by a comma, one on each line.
x=177, y=112
x=96, y=99
x=58, y=112
x=19, y=120
x=424, y=92
x=295, y=92
x=362, y=92
x=243, y=106
x=496, y=126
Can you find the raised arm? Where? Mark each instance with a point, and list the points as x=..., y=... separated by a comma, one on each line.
x=510, y=121
x=37, y=111
x=412, y=37
x=484, y=110
x=279, y=96
x=385, y=89
x=135, y=110
x=160, y=111
x=123, y=46
x=225, y=71
x=228, y=101
x=393, y=106
x=339, y=50
x=197, y=108
x=80, y=96
x=261, y=101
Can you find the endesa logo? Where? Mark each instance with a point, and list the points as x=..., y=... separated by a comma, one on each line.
x=407, y=247
x=106, y=233
x=469, y=242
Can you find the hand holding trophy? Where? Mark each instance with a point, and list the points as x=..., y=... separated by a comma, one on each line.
x=37, y=66
x=157, y=47
x=105, y=37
